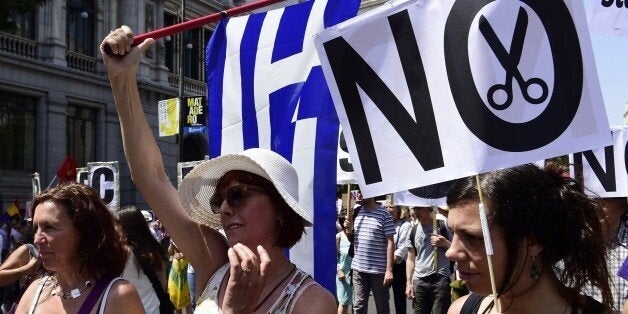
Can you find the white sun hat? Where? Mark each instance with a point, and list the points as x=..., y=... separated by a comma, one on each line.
x=199, y=185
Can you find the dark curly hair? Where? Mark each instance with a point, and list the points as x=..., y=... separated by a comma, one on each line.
x=101, y=249
x=293, y=226
x=546, y=205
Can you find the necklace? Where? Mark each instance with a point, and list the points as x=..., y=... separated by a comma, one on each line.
x=73, y=294
x=275, y=287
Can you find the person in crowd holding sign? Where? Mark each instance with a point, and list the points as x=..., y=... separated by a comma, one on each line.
x=344, y=287
x=427, y=282
x=372, y=265
x=252, y=195
x=146, y=266
x=402, y=230
x=83, y=252
x=537, y=219
x=615, y=233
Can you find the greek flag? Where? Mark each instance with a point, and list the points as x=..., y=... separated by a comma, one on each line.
x=266, y=89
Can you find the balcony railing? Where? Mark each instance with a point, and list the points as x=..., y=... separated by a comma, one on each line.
x=80, y=62
x=190, y=85
x=18, y=46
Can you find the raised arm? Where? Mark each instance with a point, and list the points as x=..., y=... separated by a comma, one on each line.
x=145, y=160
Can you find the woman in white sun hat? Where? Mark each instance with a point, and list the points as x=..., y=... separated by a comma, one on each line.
x=253, y=196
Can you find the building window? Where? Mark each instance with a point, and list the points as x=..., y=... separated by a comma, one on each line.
x=80, y=27
x=171, y=56
x=17, y=132
x=192, y=64
x=24, y=25
x=81, y=134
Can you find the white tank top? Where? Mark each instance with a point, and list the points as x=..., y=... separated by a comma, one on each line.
x=208, y=301
x=142, y=284
x=40, y=288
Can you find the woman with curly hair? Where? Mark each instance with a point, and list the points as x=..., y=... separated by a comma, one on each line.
x=83, y=252
x=546, y=241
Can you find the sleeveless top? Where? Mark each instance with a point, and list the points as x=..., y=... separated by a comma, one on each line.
x=142, y=284
x=344, y=260
x=40, y=288
x=472, y=305
x=208, y=301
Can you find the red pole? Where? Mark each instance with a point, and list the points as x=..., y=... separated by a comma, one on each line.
x=188, y=25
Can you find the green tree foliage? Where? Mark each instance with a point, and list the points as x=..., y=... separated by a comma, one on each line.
x=10, y=8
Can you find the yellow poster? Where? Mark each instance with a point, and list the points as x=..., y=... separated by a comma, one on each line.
x=168, y=116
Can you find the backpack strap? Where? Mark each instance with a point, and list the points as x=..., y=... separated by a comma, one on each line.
x=412, y=235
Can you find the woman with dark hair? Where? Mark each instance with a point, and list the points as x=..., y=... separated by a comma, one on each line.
x=546, y=241
x=147, y=260
x=252, y=195
x=83, y=252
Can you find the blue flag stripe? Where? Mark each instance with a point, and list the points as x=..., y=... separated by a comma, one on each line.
x=248, y=55
x=291, y=32
x=216, y=54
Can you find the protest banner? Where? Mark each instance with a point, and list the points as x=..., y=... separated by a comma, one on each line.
x=447, y=89
x=604, y=168
x=104, y=177
x=608, y=17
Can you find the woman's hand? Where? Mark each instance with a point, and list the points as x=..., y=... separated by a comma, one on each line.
x=341, y=275
x=125, y=58
x=247, y=278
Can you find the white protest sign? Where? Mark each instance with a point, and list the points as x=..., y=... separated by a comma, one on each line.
x=82, y=176
x=604, y=169
x=446, y=89
x=183, y=168
x=35, y=183
x=344, y=173
x=104, y=177
x=609, y=17
x=431, y=195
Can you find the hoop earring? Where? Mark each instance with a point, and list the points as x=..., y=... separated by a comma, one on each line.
x=535, y=273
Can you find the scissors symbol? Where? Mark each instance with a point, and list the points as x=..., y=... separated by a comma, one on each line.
x=510, y=62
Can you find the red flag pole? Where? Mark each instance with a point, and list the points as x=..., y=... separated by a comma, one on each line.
x=188, y=25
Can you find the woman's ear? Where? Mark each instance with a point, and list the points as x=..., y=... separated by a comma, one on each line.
x=534, y=246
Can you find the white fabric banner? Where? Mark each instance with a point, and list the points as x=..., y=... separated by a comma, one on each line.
x=344, y=169
x=609, y=17
x=604, y=169
x=446, y=89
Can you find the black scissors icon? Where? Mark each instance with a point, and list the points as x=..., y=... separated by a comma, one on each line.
x=510, y=62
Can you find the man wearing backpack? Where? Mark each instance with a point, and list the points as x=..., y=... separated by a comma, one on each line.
x=426, y=286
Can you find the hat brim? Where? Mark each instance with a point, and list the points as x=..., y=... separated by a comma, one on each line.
x=200, y=184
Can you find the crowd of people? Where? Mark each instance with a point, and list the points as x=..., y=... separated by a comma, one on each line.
x=555, y=250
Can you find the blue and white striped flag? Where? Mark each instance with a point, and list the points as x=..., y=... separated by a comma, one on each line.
x=266, y=89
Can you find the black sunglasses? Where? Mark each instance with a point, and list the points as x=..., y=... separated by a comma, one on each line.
x=233, y=195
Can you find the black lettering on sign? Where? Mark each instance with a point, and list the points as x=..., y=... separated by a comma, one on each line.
x=83, y=177
x=618, y=3
x=344, y=163
x=108, y=177
x=186, y=170
x=568, y=78
x=606, y=178
x=434, y=191
x=626, y=156
x=350, y=70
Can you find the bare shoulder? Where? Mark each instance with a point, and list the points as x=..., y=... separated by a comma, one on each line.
x=123, y=298
x=456, y=306
x=315, y=299
x=28, y=296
